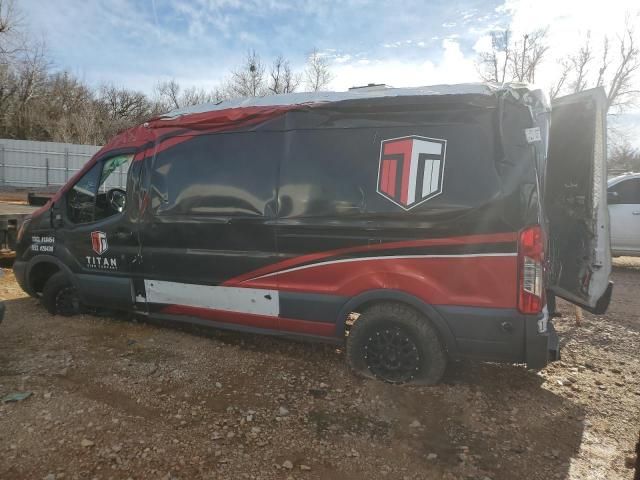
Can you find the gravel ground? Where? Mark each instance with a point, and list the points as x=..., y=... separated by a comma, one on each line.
x=112, y=398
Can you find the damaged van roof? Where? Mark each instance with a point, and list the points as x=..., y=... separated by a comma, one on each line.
x=307, y=98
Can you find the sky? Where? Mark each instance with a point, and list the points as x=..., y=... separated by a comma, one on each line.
x=137, y=43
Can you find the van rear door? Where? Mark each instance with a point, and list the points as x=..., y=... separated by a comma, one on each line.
x=575, y=201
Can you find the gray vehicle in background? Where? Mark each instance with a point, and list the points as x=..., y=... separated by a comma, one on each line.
x=624, y=214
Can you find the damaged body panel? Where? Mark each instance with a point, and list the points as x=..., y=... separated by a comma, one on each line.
x=425, y=208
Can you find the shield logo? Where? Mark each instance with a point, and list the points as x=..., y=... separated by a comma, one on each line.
x=99, y=242
x=411, y=169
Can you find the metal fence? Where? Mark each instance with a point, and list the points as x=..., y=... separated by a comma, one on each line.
x=25, y=163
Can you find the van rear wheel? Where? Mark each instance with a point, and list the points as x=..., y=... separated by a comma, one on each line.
x=59, y=296
x=394, y=343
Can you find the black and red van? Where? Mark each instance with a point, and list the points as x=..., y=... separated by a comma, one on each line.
x=417, y=225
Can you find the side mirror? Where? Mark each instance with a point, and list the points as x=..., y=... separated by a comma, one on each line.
x=612, y=197
x=56, y=217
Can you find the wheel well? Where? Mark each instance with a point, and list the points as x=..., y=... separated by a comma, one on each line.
x=351, y=310
x=353, y=315
x=39, y=275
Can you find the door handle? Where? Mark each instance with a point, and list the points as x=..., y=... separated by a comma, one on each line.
x=635, y=213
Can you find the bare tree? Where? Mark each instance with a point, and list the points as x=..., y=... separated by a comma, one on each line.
x=604, y=62
x=617, y=72
x=580, y=65
x=31, y=78
x=624, y=158
x=248, y=79
x=560, y=82
x=318, y=72
x=169, y=93
x=219, y=94
x=196, y=96
x=281, y=77
x=108, y=112
x=621, y=91
x=527, y=54
x=11, y=40
x=508, y=60
x=493, y=65
x=171, y=96
x=9, y=21
x=123, y=104
x=67, y=110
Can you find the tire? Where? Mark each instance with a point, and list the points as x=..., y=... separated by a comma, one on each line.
x=394, y=343
x=59, y=296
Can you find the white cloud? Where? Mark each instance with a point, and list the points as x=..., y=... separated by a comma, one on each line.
x=483, y=44
x=453, y=67
x=342, y=58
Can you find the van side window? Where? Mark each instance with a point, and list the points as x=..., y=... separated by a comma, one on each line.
x=625, y=192
x=324, y=175
x=217, y=175
x=87, y=201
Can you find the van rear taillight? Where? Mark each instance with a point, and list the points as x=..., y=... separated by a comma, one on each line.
x=530, y=270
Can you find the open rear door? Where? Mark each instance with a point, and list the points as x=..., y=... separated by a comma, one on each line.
x=575, y=201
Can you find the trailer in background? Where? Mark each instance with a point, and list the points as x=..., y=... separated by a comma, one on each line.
x=11, y=216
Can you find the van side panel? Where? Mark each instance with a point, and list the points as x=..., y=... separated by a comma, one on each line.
x=474, y=271
x=392, y=195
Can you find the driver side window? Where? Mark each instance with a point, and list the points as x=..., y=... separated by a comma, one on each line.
x=87, y=201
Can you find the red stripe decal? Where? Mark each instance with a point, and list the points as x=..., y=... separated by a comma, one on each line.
x=465, y=281
x=425, y=242
x=324, y=329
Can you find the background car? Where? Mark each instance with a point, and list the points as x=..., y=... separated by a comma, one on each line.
x=624, y=214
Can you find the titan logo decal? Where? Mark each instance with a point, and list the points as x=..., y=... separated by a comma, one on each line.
x=411, y=169
x=99, y=242
x=99, y=245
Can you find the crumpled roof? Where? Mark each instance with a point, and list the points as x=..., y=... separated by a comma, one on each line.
x=307, y=98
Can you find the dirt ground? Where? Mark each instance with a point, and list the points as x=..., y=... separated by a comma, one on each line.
x=116, y=399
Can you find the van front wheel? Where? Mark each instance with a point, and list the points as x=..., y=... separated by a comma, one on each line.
x=59, y=296
x=394, y=343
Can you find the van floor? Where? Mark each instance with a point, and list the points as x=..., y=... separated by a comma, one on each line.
x=112, y=398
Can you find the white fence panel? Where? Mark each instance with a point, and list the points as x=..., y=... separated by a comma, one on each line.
x=26, y=163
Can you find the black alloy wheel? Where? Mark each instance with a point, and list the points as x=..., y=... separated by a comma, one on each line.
x=395, y=343
x=67, y=302
x=392, y=355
